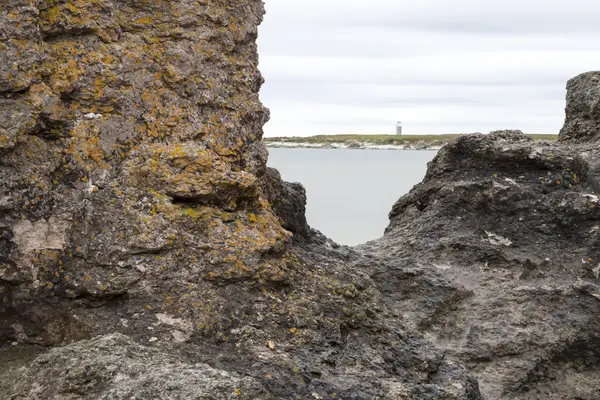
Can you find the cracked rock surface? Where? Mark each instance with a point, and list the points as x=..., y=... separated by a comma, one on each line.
x=495, y=258
x=146, y=251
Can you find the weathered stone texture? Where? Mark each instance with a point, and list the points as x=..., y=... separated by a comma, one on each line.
x=115, y=367
x=582, y=123
x=494, y=257
x=146, y=251
x=135, y=199
x=124, y=127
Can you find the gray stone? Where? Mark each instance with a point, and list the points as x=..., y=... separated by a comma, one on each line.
x=136, y=207
x=487, y=256
x=135, y=200
x=114, y=367
x=582, y=123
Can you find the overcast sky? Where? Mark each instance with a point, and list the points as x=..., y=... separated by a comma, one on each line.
x=440, y=66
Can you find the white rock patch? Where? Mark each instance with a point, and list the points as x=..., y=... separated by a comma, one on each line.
x=498, y=240
x=92, y=116
x=596, y=271
x=41, y=234
x=185, y=328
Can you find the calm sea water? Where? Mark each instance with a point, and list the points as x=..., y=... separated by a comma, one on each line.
x=351, y=192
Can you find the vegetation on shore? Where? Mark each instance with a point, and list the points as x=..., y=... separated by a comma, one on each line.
x=379, y=139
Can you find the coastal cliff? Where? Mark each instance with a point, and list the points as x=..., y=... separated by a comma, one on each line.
x=146, y=251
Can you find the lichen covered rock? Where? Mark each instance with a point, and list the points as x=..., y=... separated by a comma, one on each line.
x=135, y=200
x=123, y=134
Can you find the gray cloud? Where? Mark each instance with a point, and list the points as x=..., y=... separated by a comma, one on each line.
x=334, y=66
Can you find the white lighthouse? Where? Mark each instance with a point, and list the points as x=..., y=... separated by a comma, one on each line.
x=399, y=128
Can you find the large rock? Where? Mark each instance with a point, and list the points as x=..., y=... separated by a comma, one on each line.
x=289, y=203
x=114, y=367
x=495, y=258
x=146, y=251
x=582, y=123
x=135, y=200
x=130, y=142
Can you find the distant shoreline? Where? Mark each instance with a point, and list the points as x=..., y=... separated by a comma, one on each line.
x=334, y=146
x=372, y=142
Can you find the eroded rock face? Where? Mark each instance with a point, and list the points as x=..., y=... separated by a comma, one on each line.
x=495, y=258
x=135, y=200
x=130, y=135
x=115, y=367
x=289, y=203
x=582, y=122
x=136, y=209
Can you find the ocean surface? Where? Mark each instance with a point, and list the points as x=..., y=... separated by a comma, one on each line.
x=351, y=192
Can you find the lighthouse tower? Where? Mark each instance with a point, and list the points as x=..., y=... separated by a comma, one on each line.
x=399, y=128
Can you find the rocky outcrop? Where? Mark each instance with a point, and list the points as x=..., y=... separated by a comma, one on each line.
x=288, y=201
x=145, y=249
x=131, y=138
x=582, y=123
x=115, y=367
x=494, y=257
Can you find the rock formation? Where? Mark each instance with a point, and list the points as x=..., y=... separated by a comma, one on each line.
x=135, y=201
x=582, y=122
x=495, y=258
x=115, y=367
x=147, y=252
